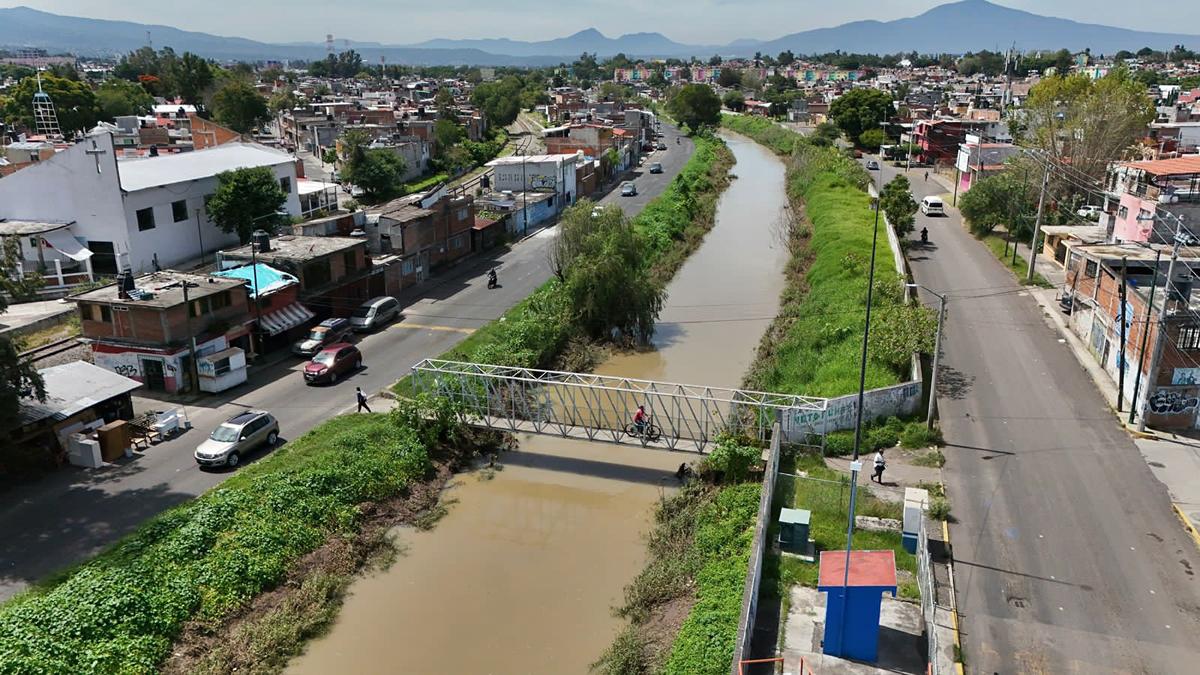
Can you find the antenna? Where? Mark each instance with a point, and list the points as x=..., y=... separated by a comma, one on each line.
x=44, y=117
x=329, y=42
x=149, y=42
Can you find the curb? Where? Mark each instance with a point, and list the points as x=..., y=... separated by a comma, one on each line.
x=958, y=666
x=1187, y=524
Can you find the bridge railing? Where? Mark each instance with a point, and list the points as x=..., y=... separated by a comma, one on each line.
x=600, y=407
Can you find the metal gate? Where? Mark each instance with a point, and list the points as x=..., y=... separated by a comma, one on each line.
x=600, y=407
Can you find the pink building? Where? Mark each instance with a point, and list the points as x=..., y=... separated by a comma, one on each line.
x=1145, y=192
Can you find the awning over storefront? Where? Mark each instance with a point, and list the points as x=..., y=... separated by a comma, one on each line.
x=65, y=243
x=289, y=317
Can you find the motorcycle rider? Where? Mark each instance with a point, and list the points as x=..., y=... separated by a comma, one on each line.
x=491, y=277
x=924, y=235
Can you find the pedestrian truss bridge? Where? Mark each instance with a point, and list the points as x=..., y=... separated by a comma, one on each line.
x=601, y=407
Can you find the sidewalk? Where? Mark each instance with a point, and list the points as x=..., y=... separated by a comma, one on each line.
x=1173, y=459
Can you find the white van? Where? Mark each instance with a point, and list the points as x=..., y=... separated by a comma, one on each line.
x=933, y=206
x=374, y=313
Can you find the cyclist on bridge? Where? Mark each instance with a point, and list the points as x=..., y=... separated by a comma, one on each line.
x=640, y=419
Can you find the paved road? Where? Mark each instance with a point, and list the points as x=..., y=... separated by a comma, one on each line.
x=1068, y=558
x=73, y=514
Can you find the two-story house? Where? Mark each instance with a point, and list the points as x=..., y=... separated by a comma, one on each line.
x=333, y=272
x=1146, y=192
x=136, y=214
x=144, y=327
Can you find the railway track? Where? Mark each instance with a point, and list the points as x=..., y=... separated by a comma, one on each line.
x=50, y=349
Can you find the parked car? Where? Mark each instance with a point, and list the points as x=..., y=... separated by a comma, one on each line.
x=375, y=313
x=325, y=333
x=332, y=363
x=237, y=436
x=1091, y=211
x=933, y=206
x=661, y=145
x=872, y=165
x=628, y=189
x=656, y=167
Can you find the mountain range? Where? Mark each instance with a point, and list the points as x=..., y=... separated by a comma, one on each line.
x=968, y=25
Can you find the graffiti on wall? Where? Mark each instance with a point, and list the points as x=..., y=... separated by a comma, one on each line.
x=841, y=412
x=1173, y=402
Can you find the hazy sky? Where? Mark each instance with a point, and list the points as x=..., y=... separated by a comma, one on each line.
x=689, y=21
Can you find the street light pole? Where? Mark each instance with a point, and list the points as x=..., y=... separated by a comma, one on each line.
x=931, y=411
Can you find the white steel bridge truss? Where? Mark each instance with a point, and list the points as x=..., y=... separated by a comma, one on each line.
x=600, y=407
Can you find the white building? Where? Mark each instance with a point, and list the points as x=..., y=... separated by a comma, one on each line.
x=536, y=173
x=134, y=213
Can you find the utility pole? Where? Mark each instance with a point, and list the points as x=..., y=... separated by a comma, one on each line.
x=937, y=353
x=187, y=305
x=1137, y=378
x=1037, y=224
x=862, y=371
x=1121, y=318
x=1161, y=339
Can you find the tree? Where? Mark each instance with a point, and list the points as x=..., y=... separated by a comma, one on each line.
x=729, y=78
x=74, y=102
x=714, y=60
x=239, y=106
x=786, y=58
x=828, y=131
x=871, y=139
x=246, y=200
x=191, y=75
x=734, y=100
x=444, y=102
x=446, y=135
x=117, y=97
x=612, y=91
x=1000, y=199
x=1086, y=123
x=500, y=101
x=18, y=378
x=695, y=105
x=860, y=109
x=284, y=99
x=378, y=172
x=601, y=264
x=898, y=203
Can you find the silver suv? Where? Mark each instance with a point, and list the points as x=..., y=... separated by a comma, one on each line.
x=236, y=436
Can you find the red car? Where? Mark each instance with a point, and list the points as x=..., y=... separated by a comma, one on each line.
x=332, y=362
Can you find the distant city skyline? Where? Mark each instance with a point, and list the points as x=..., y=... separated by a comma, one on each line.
x=709, y=22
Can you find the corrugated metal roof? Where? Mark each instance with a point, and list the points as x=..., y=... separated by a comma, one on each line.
x=73, y=387
x=1168, y=167
x=140, y=174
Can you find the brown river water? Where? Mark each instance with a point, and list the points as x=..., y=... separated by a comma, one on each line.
x=522, y=574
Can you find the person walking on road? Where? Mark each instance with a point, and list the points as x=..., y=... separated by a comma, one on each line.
x=926, y=176
x=362, y=400
x=880, y=465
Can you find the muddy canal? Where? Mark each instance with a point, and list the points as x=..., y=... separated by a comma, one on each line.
x=521, y=575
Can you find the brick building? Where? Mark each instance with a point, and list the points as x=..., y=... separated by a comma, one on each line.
x=1093, y=280
x=142, y=329
x=333, y=272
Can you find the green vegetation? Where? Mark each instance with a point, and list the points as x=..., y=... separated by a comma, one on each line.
x=246, y=200
x=535, y=331
x=933, y=458
x=813, y=346
x=238, y=105
x=859, y=110
x=764, y=132
x=205, y=559
x=424, y=183
x=898, y=204
x=888, y=433
x=376, y=170
x=998, y=245
x=695, y=105
x=826, y=493
x=699, y=547
x=74, y=102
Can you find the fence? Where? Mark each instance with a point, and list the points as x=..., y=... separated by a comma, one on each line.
x=928, y=586
x=600, y=407
x=745, y=634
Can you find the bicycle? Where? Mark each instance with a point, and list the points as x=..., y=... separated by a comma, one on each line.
x=649, y=433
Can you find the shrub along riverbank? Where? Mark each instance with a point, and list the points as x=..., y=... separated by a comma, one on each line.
x=193, y=567
x=814, y=345
x=537, y=331
x=683, y=608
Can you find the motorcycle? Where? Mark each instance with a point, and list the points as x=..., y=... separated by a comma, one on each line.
x=924, y=235
x=492, y=281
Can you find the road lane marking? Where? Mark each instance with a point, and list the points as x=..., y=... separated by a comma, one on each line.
x=426, y=326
